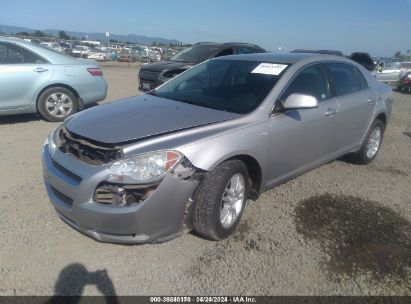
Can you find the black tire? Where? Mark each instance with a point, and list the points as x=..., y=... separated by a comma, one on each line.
x=206, y=210
x=360, y=157
x=42, y=107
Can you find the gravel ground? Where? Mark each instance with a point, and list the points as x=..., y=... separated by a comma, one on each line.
x=341, y=229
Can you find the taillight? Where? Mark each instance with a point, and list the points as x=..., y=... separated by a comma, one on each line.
x=95, y=71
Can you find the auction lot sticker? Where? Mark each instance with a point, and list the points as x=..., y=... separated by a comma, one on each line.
x=269, y=68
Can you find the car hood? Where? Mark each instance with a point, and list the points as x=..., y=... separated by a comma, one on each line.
x=141, y=117
x=166, y=66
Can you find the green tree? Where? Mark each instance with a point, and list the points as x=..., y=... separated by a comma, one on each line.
x=39, y=34
x=23, y=34
x=397, y=54
x=63, y=35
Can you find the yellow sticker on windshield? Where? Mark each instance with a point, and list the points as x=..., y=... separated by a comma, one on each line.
x=269, y=68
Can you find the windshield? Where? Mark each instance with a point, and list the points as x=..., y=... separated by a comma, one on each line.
x=228, y=85
x=195, y=54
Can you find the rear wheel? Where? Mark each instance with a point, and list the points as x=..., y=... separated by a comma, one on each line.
x=371, y=145
x=57, y=103
x=221, y=199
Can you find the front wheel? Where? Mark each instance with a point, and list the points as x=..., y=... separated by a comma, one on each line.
x=220, y=200
x=371, y=145
x=57, y=103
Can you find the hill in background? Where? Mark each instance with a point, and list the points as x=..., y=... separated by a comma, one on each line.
x=140, y=39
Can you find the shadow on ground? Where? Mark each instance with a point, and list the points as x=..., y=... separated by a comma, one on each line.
x=21, y=118
x=75, y=277
x=357, y=235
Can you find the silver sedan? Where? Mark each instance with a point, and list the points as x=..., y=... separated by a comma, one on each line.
x=188, y=155
x=37, y=79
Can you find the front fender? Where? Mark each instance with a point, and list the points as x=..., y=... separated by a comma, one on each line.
x=250, y=141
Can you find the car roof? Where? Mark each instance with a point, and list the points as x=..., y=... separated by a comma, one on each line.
x=288, y=58
x=52, y=56
x=325, y=52
x=218, y=44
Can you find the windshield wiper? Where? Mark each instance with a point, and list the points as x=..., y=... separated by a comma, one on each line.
x=177, y=60
x=152, y=92
x=189, y=101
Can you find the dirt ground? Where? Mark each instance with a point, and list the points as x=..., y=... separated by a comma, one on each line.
x=341, y=229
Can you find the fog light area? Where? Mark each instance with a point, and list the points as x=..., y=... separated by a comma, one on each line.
x=122, y=195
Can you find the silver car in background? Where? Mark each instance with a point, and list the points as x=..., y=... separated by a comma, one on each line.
x=37, y=79
x=189, y=154
x=393, y=72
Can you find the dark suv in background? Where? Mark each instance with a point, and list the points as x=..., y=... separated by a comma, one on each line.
x=154, y=74
x=360, y=57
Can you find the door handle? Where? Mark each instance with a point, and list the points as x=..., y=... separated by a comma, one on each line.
x=40, y=70
x=330, y=112
x=371, y=100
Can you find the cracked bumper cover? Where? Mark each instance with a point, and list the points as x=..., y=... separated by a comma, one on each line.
x=159, y=217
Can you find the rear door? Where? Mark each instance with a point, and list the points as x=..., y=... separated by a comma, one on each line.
x=21, y=74
x=357, y=104
x=304, y=138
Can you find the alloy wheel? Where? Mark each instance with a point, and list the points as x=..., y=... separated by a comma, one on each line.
x=374, y=142
x=232, y=200
x=59, y=105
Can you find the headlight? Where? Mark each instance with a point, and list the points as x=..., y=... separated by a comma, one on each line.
x=51, y=141
x=143, y=168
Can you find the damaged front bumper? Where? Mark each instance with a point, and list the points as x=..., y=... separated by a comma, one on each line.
x=155, y=213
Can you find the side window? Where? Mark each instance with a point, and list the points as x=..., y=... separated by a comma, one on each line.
x=13, y=54
x=345, y=78
x=10, y=54
x=3, y=53
x=225, y=52
x=361, y=78
x=311, y=81
x=244, y=50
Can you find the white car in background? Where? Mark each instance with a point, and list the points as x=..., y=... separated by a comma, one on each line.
x=98, y=55
x=81, y=51
x=53, y=45
x=393, y=72
x=155, y=55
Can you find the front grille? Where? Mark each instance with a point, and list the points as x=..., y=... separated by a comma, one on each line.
x=61, y=196
x=86, y=150
x=66, y=172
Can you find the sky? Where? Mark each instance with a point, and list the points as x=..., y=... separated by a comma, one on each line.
x=380, y=27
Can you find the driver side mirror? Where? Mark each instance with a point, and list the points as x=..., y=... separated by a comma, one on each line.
x=300, y=101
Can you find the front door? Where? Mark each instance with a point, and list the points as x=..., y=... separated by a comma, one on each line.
x=305, y=138
x=21, y=74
